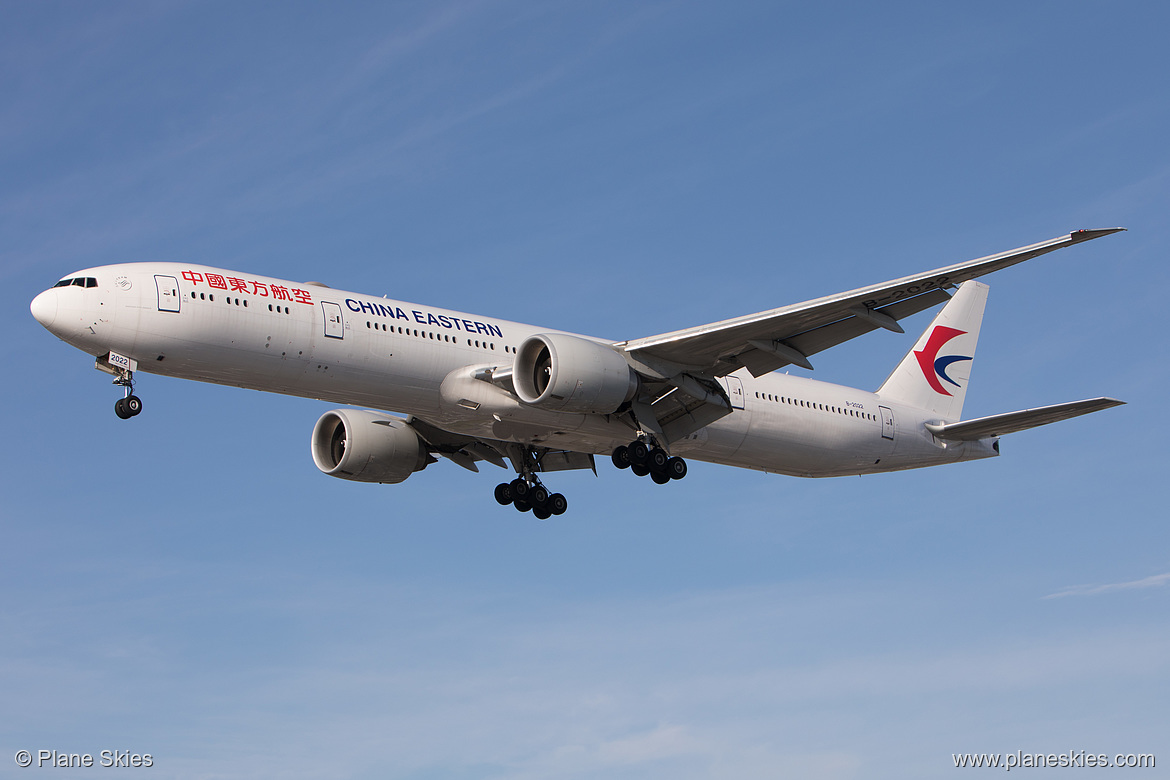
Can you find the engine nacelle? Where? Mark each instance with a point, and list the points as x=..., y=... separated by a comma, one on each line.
x=367, y=446
x=571, y=374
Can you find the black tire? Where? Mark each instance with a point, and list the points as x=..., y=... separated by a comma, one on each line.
x=121, y=410
x=557, y=504
x=133, y=405
x=638, y=452
x=520, y=490
x=541, y=512
x=639, y=469
x=657, y=459
x=523, y=506
x=538, y=496
x=659, y=477
x=676, y=468
x=503, y=494
x=621, y=457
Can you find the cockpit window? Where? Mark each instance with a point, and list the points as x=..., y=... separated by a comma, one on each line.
x=64, y=283
x=90, y=281
x=81, y=281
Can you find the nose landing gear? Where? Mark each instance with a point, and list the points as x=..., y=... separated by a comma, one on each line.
x=130, y=405
x=644, y=459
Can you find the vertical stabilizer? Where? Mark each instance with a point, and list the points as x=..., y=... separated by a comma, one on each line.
x=934, y=374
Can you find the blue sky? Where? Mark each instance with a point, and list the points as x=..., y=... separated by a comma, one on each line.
x=188, y=585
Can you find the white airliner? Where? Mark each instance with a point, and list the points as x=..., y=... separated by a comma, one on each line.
x=480, y=389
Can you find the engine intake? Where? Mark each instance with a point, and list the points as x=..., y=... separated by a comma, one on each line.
x=367, y=446
x=571, y=374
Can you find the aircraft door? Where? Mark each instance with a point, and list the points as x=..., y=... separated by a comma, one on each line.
x=168, y=292
x=887, y=422
x=334, y=324
x=734, y=387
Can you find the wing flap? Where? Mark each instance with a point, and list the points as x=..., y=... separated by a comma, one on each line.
x=819, y=339
x=1000, y=424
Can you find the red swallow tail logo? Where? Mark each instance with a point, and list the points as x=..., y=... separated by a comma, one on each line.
x=933, y=366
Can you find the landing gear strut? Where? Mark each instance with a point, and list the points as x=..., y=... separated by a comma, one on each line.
x=644, y=459
x=130, y=405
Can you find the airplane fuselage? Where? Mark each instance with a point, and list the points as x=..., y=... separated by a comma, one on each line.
x=308, y=340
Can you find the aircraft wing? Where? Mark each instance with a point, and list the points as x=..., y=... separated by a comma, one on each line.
x=1000, y=424
x=769, y=340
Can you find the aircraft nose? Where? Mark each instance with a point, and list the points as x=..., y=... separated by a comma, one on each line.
x=44, y=308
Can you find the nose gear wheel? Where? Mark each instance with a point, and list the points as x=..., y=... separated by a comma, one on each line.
x=130, y=405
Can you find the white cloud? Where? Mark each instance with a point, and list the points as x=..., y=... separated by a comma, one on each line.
x=1155, y=581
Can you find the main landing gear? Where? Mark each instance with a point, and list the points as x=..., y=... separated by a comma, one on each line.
x=526, y=493
x=130, y=405
x=642, y=459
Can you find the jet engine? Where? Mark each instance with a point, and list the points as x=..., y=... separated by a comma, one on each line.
x=570, y=374
x=367, y=446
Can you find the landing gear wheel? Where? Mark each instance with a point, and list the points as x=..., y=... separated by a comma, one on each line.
x=659, y=477
x=557, y=504
x=133, y=405
x=541, y=513
x=656, y=459
x=640, y=469
x=520, y=489
x=503, y=494
x=538, y=496
x=621, y=457
x=676, y=468
x=121, y=410
x=523, y=506
x=638, y=451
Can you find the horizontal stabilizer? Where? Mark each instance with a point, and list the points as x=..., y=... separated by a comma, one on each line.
x=999, y=424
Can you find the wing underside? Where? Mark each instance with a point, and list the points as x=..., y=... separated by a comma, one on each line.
x=469, y=451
